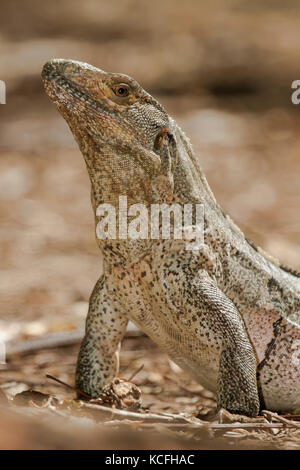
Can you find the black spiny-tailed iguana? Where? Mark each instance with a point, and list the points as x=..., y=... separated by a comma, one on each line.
x=228, y=314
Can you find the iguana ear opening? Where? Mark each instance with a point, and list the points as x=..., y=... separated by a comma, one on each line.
x=163, y=184
x=165, y=147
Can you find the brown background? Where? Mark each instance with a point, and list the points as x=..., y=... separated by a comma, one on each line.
x=222, y=69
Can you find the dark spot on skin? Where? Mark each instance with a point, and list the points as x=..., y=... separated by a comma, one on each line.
x=272, y=344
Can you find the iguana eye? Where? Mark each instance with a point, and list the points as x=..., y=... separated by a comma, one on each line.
x=121, y=90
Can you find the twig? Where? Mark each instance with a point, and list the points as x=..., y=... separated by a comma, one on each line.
x=184, y=421
x=249, y=425
x=56, y=340
x=141, y=416
x=47, y=341
x=69, y=386
x=135, y=373
x=292, y=417
x=281, y=419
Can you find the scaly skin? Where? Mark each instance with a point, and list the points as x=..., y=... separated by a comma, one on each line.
x=227, y=314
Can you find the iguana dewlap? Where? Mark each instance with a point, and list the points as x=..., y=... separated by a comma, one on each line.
x=227, y=314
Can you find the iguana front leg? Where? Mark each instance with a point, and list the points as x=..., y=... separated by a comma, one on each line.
x=237, y=381
x=98, y=359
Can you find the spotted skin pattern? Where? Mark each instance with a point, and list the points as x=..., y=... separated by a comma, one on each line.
x=228, y=314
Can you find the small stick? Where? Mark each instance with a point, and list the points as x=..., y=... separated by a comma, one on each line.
x=293, y=417
x=281, y=419
x=56, y=340
x=184, y=421
x=69, y=386
x=135, y=373
x=187, y=426
x=132, y=414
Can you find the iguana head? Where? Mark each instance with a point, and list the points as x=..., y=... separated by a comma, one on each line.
x=125, y=135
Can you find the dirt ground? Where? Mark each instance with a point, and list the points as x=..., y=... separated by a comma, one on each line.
x=224, y=73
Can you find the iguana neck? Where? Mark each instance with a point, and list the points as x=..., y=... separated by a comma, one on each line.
x=190, y=184
x=190, y=187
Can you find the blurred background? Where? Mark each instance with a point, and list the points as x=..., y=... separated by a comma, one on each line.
x=222, y=69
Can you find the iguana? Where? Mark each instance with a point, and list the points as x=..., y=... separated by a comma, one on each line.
x=228, y=314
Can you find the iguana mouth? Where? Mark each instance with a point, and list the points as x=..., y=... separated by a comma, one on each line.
x=51, y=74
